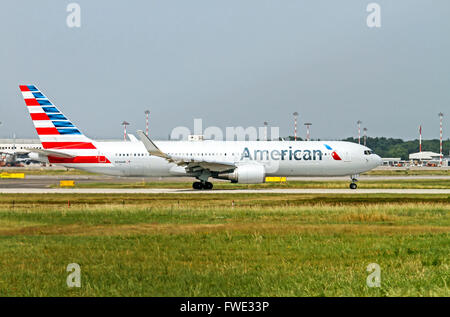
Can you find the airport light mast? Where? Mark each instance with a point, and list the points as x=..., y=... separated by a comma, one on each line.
x=359, y=131
x=308, y=124
x=441, y=116
x=365, y=136
x=147, y=112
x=125, y=130
x=295, y=114
x=420, y=138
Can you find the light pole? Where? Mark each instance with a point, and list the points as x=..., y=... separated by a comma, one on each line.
x=295, y=114
x=308, y=124
x=125, y=130
x=359, y=131
x=420, y=138
x=365, y=136
x=147, y=112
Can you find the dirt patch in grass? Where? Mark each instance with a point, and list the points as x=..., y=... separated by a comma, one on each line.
x=134, y=229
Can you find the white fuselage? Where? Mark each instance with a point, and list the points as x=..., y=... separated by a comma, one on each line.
x=279, y=158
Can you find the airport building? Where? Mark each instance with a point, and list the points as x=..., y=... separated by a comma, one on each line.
x=392, y=161
x=14, y=152
x=427, y=158
x=19, y=144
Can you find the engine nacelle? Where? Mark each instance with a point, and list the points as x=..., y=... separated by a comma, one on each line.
x=38, y=157
x=248, y=174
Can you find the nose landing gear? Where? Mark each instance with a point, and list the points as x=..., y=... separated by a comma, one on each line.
x=354, y=180
x=202, y=185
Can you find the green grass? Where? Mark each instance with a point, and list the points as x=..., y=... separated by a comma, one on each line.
x=370, y=184
x=201, y=245
x=408, y=172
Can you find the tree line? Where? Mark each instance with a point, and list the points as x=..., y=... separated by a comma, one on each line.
x=390, y=147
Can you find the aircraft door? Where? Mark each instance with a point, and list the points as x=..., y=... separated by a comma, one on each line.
x=101, y=158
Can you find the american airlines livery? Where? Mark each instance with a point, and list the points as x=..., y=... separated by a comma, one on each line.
x=247, y=162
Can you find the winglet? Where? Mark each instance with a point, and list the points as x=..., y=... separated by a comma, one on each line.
x=150, y=146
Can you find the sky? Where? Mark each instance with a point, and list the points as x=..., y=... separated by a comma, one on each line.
x=230, y=63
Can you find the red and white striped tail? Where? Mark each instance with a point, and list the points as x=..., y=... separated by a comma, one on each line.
x=55, y=131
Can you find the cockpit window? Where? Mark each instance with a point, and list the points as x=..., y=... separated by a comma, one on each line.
x=368, y=152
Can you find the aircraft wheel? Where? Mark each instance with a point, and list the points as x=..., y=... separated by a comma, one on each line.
x=353, y=186
x=208, y=185
x=197, y=185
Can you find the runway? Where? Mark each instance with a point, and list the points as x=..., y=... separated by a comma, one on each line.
x=48, y=184
x=48, y=181
x=218, y=191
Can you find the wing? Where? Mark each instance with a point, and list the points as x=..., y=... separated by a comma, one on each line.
x=213, y=166
x=191, y=165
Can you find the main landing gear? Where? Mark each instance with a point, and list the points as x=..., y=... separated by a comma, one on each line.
x=354, y=180
x=202, y=185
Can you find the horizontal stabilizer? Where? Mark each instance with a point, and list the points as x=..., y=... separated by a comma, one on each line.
x=52, y=153
x=132, y=138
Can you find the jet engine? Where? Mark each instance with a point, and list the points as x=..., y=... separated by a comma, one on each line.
x=38, y=157
x=247, y=174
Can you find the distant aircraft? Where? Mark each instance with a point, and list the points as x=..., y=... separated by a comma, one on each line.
x=14, y=154
x=247, y=162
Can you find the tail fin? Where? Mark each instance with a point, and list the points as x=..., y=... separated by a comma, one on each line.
x=54, y=129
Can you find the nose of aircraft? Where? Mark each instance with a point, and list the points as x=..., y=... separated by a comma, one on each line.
x=377, y=160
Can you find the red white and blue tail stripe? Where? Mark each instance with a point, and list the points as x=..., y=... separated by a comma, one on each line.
x=56, y=132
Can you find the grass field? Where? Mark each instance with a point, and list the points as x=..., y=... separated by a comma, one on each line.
x=224, y=245
x=330, y=184
x=411, y=172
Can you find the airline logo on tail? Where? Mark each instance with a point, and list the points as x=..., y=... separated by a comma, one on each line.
x=56, y=132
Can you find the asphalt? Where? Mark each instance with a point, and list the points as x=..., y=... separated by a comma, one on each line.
x=46, y=181
x=218, y=191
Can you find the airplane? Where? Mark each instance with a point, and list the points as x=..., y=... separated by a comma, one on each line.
x=247, y=162
x=7, y=159
x=15, y=154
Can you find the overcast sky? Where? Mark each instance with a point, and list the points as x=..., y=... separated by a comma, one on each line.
x=231, y=63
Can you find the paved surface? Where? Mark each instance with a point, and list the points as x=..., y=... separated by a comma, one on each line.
x=219, y=191
x=46, y=181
